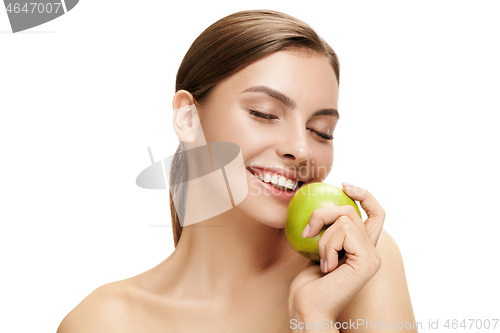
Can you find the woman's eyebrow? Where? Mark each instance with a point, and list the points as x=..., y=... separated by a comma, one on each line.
x=274, y=94
x=327, y=112
x=287, y=101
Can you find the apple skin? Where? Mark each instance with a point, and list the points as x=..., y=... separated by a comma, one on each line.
x=304, y=202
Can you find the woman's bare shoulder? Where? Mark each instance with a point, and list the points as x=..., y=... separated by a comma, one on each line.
x=106, y=309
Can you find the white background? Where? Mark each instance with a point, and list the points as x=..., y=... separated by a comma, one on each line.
x=83, y=96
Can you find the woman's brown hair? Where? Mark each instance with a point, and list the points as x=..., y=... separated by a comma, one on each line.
x=224, y=48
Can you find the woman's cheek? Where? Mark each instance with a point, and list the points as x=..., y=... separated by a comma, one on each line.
x=255, y=139
x=322, y=163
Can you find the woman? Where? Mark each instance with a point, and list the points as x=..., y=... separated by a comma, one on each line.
x=266, y=82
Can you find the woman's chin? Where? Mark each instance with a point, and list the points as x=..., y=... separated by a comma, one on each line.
x=274, y=217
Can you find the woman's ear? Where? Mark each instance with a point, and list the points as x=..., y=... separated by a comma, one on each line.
x=186, y=121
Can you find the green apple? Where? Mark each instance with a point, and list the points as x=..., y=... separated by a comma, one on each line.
x=303, y=203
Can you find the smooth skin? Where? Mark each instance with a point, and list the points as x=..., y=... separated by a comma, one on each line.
x=236, y=272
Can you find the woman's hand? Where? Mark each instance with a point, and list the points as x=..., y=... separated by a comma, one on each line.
x=316, y=296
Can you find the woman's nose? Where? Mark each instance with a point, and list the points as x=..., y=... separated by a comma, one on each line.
x=294, y=146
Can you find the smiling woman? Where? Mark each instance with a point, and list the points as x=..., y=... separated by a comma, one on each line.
x=268, y=83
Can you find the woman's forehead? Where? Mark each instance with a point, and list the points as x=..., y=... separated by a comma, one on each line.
x=301, y=75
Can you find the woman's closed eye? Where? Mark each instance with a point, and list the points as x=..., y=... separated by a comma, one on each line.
x=322, y=135
x=262, y=115
x=267, y=116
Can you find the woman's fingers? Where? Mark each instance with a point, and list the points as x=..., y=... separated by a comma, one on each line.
x=375, y=212
x=347, y=231
x=327, y=215
x=344, y=234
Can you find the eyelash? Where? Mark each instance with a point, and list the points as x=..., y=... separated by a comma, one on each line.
x=262, y=115
x=270, y=117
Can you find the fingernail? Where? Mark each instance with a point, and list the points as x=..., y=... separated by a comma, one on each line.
x=305, y=232
x=322, y=265
x=347, y=184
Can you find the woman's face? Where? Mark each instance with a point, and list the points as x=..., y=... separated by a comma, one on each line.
x=281, y=111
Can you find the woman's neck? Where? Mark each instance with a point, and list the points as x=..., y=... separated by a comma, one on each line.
x=222, y=255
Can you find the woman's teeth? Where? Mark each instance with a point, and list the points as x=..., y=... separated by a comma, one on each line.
x=280, y=183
